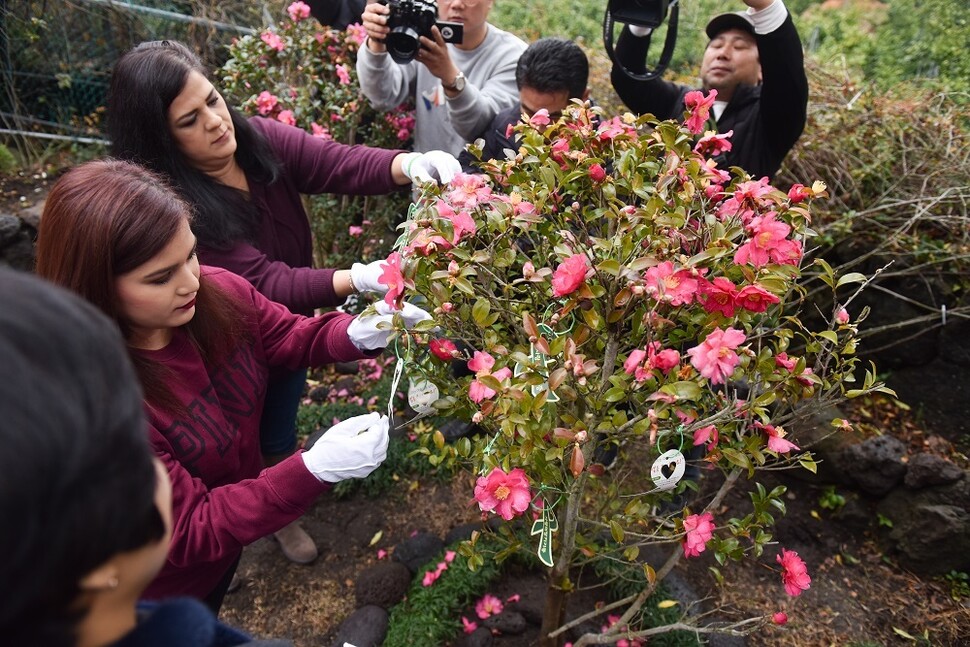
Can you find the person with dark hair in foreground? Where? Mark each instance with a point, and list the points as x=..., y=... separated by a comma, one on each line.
x=87, y=509
x=203, y=341
x=754, y=60
x=550, y=73
x=244, y=179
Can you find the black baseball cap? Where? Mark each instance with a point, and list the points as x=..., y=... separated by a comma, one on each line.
x=725, y=21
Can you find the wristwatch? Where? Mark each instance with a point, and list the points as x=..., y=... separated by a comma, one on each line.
x=458, y=84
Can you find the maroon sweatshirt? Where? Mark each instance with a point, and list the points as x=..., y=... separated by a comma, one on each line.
x=222, y=497
x=280, y=262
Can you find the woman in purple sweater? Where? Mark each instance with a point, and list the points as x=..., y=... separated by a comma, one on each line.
x=203, y=341
x=244, y=179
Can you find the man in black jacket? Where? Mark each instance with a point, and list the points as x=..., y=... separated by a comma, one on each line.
x=754, y=61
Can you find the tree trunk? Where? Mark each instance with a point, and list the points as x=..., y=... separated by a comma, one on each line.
x=554, y=611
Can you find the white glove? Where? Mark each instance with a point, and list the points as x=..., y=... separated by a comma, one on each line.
x=365, y=334
x=351, y=449
x=364, y=277
x=639, y=30
x=430, y=167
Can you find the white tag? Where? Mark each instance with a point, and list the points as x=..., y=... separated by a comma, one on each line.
x=422, y=395
x=670, y=457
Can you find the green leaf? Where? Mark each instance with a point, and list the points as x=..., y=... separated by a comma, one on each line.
x=615, y=394
x=480, y=311
x=683, y=390
x=617, y=531
x=609, y=266
x=851, y=277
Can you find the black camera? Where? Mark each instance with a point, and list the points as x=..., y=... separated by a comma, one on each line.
x=411, y=19
x=646, y=13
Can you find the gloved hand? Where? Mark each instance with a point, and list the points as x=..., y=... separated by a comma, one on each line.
x=365, y=334
x=431, y=166
x=364, y=277
x=351, y=449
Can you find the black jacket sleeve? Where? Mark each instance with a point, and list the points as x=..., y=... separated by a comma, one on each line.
x=784, y=90
x=660, y=98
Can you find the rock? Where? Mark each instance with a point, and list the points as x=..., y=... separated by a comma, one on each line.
x=319, y=394
x=31, y=215
x=481, y=637
x=345, y=387
x=347, y=368
x=927, y=470
x=9, y=229
x=940, y=390
x=530, y=609
x=876, y=464
x=383, y=585
x=507, y=623
x=414, y=552
x=931, y=527
x=365, y=627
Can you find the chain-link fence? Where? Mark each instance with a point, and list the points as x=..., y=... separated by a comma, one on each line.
x=56, y=55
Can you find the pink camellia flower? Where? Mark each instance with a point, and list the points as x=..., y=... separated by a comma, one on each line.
x=443, y=349
x=489, y=605
x=699, y=529
x=393, y=278
x=477, y=391
x=508, y=495
x=298, y=11
x=700, y=109
x=467, y=625
x=357, y=33
x=676, y=287
x=755, y=298
x=381, y=553
x=713, y=144
x=540, y=118
x=779, y=618
x=782, y=360
x=468, y=190
x=706, y=435
x=266, y=102
x=272, y=40
x=715, y=358
x=842, y=316
x=319, y=131
x=342, y=74
x=799, y=193
x=355, y=231
x=719, y=296
x=613, y=128
x=794, y=572
x=597, y=173
x=286, y=117
x=776, y=438
x=768, y=243
x=634, y=360
x=481, y=363
x=664, y=359
x=569, y=275
x=747, y=196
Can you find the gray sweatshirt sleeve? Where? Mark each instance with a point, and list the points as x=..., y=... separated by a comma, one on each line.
x=385, y=83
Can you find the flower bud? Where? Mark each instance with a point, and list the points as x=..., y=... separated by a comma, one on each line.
x=842, y=316
x=780, y=618
x=478, y=417
x=447, y=307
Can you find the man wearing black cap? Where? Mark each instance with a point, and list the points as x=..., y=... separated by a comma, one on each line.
x=754, y=61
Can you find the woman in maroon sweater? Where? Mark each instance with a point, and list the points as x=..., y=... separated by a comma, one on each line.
x=244, y=178
x=203, y=341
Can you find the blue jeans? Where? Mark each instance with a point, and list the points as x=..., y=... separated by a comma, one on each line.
x=277, y=427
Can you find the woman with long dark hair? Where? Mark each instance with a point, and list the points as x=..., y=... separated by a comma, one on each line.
x=244, y=179
x=203, y=341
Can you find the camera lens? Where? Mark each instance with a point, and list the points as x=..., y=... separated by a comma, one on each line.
x=402, y=44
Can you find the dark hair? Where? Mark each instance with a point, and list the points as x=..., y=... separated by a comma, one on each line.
x=107, y=217
x=77, y=484
x=553, y=65
x=144, y=83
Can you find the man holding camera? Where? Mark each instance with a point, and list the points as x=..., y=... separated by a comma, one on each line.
x=754, y=61
x=458, y=88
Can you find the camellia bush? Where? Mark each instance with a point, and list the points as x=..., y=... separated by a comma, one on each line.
x=305, y=75
x=610, y=288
